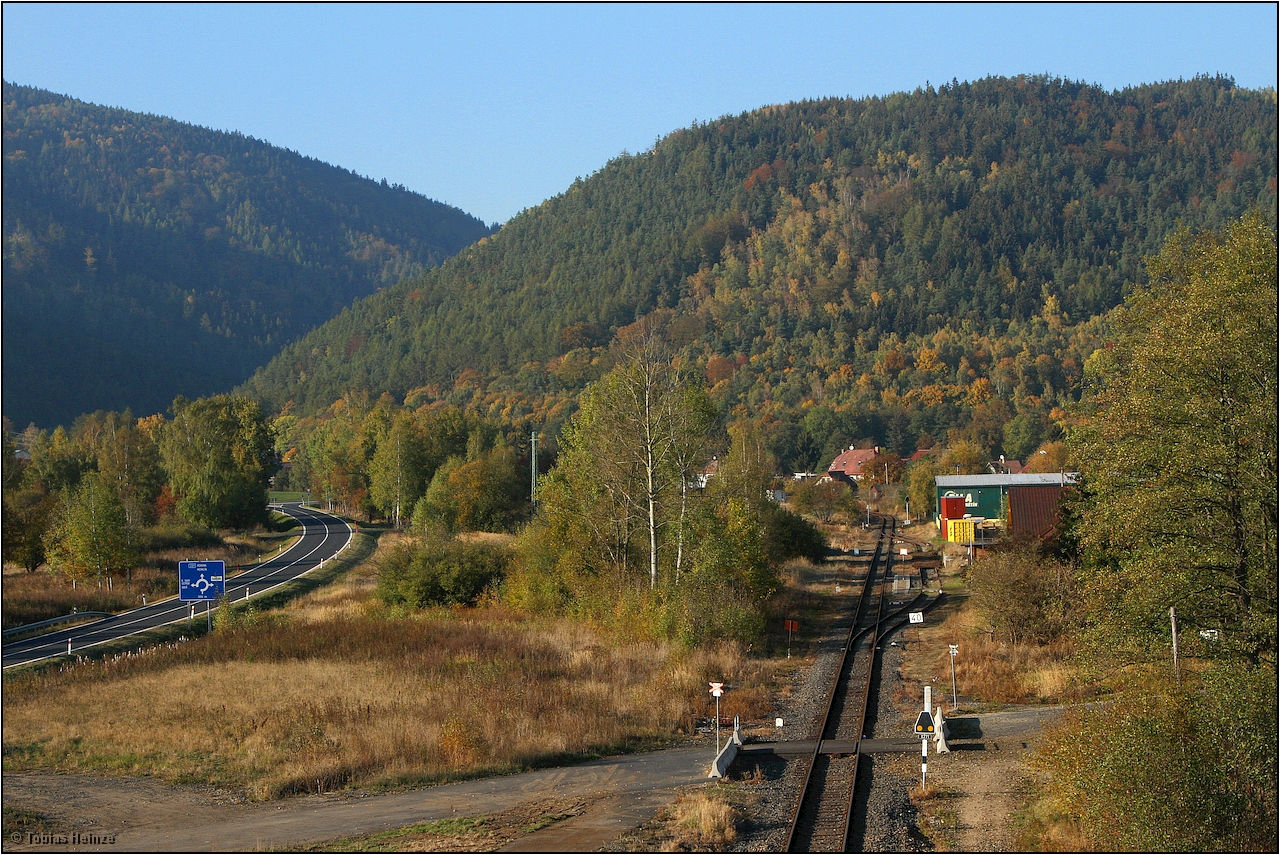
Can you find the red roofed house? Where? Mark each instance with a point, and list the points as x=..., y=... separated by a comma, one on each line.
x=1005, y=467
x=708, y=472
x=848, y=465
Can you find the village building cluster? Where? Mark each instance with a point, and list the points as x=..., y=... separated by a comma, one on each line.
x=975, y=510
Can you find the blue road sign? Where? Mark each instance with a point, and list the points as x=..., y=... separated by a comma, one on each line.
x=200, y=580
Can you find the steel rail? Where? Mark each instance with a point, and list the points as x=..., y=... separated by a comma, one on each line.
x=866, y=693
x=807, y=792
x=879, y=627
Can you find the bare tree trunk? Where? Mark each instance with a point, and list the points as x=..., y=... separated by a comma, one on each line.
x=684, y=502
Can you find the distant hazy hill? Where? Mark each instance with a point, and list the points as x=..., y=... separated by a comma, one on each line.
x=146, y=258
x=812, y=253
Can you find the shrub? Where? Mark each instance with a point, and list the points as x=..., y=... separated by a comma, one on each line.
x=788, y=535
x=1023, y=596
x=436, y=571
x=702, y=818
x=1169, y=768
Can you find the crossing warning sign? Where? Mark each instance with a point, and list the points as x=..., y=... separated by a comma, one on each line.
x=924, y=723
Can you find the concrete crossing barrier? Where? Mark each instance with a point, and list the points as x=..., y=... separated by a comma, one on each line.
x=940, y=735
x=720, y=766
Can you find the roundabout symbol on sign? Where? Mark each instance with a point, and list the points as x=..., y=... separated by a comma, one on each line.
x=200, y=580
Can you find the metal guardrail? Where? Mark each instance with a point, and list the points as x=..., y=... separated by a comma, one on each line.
x=57, y=621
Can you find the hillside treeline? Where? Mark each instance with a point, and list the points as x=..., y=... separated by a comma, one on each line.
x=146, y=258
x=902, y=270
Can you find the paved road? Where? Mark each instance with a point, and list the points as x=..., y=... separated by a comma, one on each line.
x=323, y=536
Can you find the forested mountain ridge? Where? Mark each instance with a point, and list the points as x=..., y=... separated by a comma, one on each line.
x=145, y=257
x=891, y=267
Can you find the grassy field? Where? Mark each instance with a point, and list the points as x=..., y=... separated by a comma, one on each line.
x=336, y=690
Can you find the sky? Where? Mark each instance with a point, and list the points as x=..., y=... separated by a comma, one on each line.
x=495, y=108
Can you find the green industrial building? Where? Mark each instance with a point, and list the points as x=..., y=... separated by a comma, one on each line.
x=987, y=495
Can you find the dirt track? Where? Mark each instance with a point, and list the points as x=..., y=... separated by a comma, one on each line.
x=595, y=803
x=141, y=815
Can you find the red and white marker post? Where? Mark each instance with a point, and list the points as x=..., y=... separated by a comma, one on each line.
x=717, y=689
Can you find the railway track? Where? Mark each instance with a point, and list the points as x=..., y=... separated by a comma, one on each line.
x=825, y=811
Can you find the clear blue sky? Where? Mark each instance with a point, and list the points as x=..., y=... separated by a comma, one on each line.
x=496, y=108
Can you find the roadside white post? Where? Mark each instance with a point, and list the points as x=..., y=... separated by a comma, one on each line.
x=68, y=647
x=717, y=689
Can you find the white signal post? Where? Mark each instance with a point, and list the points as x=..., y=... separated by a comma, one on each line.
x=925, y=729
x=955, y=649
x=717, y=689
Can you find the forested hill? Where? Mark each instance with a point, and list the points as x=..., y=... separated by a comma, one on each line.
x=146, y=258
x=948, y=244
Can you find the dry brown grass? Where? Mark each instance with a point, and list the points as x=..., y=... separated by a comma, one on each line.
x=1040, y=829
x=336, y=690
x=348, y=596
x=495, y=538
x=30, y=597
x=292, y=705
x=701, y=818
x=987, y=670
x=921, y=793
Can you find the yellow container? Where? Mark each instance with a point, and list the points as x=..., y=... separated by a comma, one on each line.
x=961, y=531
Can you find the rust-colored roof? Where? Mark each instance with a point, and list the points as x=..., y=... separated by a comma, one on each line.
x=849, y=463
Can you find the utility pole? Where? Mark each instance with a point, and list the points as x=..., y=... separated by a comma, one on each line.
x=533, y=468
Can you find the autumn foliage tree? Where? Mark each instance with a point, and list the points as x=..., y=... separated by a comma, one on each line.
x=90, y=535
x=219, y=454
x=1177, y=449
